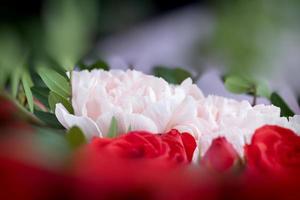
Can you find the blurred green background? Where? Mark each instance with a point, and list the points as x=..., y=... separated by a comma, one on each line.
x=246, y=42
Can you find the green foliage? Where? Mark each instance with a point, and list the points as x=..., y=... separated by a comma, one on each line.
x=277, y=100
x=48, y=118
x=41, y=93
x=247, y=44
x=59, y=42
x=68, y=28
x=11, y=54
x=99, y=64
x=263, y=90
x=55, y=98
x=239, y=85
x=171, y=75
x=55, y=82
x=15, y=81
x=75, y=137
x=113, y=128
x=27, y=84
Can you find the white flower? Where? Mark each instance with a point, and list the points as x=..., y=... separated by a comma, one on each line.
x=237, y=121
x=136, y=100
x=145, y=102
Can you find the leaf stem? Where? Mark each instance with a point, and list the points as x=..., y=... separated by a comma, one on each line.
x=254, y=96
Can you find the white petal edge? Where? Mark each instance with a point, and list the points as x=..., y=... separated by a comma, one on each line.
x=87, y=125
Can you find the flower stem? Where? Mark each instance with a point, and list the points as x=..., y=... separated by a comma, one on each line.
x=254, y=97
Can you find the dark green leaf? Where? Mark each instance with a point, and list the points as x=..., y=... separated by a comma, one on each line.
x=50, y=63
x=55, y=98
x=55, y=82
x=100, y=64
x=75, y=137
x=48, y=118
x=41, y=93
x=82, y=66
x=113, y=129
x=3, y=78
x=171, y=75
x=37, y=81
x=279, y=102
x=27, y=83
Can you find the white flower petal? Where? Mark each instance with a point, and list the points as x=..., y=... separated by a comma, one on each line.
x=67, y=120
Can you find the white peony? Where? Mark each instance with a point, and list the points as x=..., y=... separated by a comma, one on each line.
x=237, y=121
x=145, y=102
x=136, y=100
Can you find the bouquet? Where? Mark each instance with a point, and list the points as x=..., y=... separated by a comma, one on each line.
x=114, y=134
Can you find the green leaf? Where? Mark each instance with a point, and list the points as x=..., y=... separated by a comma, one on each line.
x=99, y=64
x=82, y=66
x=55, y=82
x=75, y=137
x=171, y=75
x=263, y=90
x=11, y=53
x=113, y=129
x=27, y=83
x=41, y=93
x=3, y=78
x=237, y=84
x=15, y=81
x=48, y=118
x=56, y=98
x=68, y=26
x=277, y=100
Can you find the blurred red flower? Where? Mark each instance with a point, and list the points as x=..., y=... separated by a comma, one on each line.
x=221, y=156
x=22, y=180
x=109, y=171
x=274, y=150
x=171, y=147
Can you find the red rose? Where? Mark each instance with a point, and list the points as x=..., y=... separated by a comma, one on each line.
x=221, y=156
x=139, y=165
x=274, y=149
x=171, y=146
